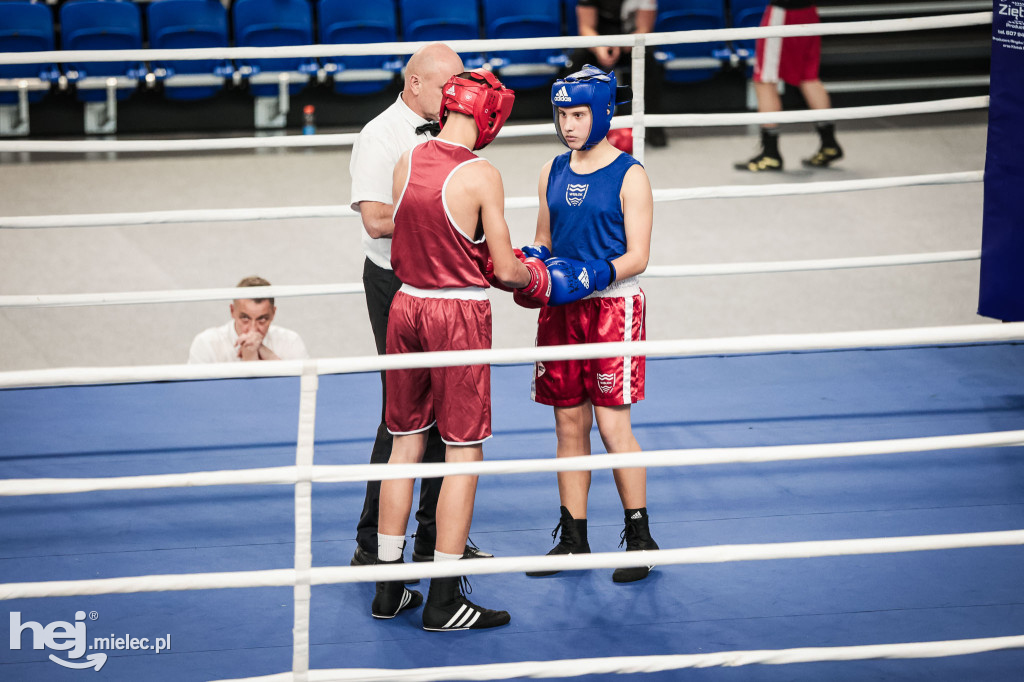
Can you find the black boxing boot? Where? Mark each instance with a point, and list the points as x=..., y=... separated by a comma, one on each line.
x=573, y=541
x=637, y=537
x=393, y=597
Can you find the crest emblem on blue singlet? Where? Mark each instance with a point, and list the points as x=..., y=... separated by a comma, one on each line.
x=574, y=194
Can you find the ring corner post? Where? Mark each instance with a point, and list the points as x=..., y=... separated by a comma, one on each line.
x=1002, y=252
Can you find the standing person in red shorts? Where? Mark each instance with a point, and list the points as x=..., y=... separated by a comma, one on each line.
x=411, y=119
x=596, y=214
x=449, y=230
x=795, y=61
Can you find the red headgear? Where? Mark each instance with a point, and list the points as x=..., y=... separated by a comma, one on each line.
x=479, y=94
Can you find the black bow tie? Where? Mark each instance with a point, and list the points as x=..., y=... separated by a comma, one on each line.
x=432, y=127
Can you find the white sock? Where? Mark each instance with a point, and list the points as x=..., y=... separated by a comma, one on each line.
x=390, y=547
x=441, y=556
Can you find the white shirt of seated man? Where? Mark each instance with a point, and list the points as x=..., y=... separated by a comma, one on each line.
x=248, y=336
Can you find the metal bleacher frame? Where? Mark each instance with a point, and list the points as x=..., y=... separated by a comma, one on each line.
x=188, y=24
x=528, y=19
x=101, y=91
x=360, y=23
x=273, y=81
x=36, y=35
x=692, y=62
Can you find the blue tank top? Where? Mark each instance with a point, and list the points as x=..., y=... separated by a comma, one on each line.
x=586, y=213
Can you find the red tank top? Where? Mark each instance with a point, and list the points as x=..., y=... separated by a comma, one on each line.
x=428, y=251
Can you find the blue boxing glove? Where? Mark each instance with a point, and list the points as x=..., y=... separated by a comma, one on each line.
x=537, y=251
x=572, y=280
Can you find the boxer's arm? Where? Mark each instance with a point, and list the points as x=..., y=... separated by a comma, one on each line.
x=399, y=176
x=508, y=269
x=490, y=276
x=638, y=209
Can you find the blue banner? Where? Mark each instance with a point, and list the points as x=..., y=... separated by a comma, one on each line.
x=1002, y=241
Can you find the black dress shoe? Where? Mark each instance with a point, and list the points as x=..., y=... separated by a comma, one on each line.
x=364, y=558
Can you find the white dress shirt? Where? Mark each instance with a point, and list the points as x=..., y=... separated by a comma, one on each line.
x=377, y=149
x=217, y=344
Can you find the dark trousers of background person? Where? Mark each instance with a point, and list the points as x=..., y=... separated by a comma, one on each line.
x=381, y=285
x=654, y=82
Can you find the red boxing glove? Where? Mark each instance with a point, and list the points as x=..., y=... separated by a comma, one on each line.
x=489, y=272
x=538, y=291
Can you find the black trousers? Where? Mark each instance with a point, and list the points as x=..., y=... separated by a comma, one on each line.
x=381, y=286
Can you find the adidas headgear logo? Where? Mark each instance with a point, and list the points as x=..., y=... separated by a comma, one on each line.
x=562, y=95
x=450, y=91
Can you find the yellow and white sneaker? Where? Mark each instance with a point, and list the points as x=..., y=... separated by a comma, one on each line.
x=824, y=157
x=761, y=162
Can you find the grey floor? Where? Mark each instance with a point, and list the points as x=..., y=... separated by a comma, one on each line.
x=894, y=221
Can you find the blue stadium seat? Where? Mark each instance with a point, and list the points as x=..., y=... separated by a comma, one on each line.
x=274, y=23
x=102, y=25
x=443, y=21
x=690, y=62
x=181, y=24
x=26, y=27
x=345, y=21
x=524, y=19
x=744, y=14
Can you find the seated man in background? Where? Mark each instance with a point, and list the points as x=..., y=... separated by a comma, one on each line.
x=248, y=335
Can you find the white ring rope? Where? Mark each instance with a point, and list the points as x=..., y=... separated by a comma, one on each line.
x=330, y=575
x=178, y=295
x=345, y=211
x=812, y=115
x=772, y=343
x=350, y=473
x=464, y=46
x=805, y=265
x=523, y=130
x=201, y=145
x=576, y=667
x=654, y=271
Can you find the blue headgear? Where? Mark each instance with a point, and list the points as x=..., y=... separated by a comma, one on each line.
x=594, y=88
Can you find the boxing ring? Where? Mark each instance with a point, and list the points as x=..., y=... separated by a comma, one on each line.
x=841, y=506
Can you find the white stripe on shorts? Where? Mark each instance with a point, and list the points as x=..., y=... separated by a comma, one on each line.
x=772, y=47
x=627, y=361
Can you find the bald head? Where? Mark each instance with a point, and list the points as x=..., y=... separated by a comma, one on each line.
x=428, y=69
